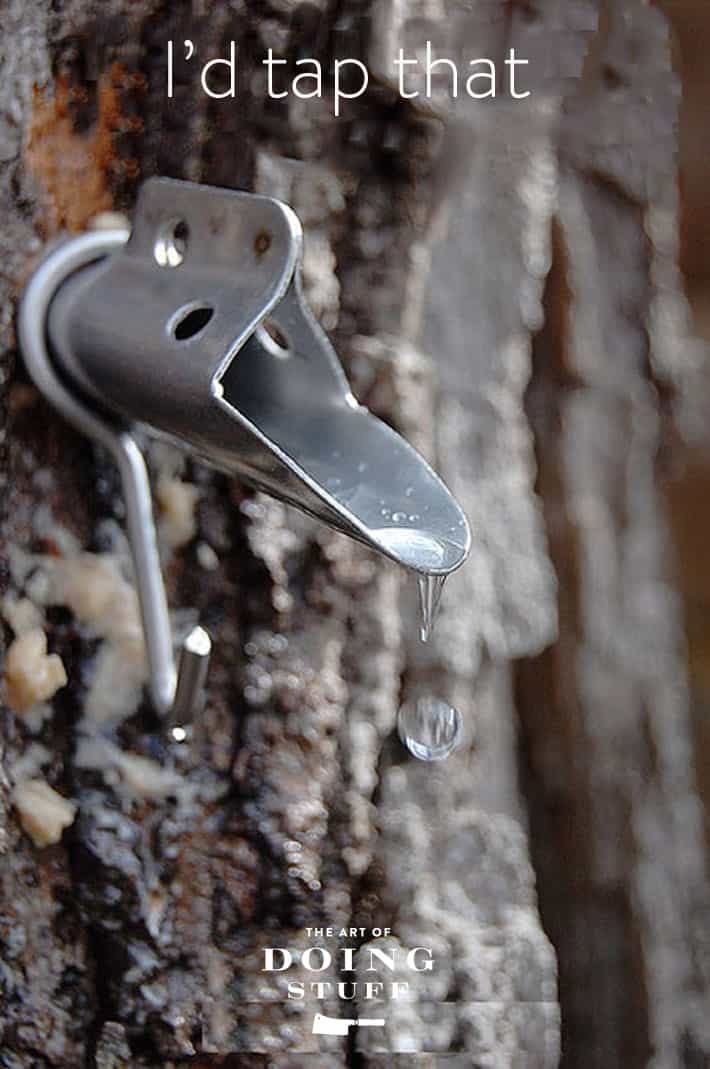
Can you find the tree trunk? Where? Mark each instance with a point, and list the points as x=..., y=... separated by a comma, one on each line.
x=501, y=280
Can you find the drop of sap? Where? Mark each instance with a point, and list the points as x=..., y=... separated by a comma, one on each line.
x=430, y=590
x=430, y=728
x=399, y=517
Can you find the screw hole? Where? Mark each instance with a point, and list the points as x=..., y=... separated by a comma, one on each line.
x=273, y=339
x=262, y=242
x=529, y=11
x=171, y=243
x=191, y=321
x=611, y=77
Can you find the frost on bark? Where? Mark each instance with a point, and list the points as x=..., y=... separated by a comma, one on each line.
x=501, y=284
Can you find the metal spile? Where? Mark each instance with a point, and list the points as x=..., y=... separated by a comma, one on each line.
x=194, y=327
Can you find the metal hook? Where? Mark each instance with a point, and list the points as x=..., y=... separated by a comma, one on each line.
x=176, y=692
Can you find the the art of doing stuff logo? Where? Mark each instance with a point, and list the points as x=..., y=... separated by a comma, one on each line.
x=346, y=968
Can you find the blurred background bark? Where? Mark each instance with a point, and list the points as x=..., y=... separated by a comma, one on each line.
x=505, y=283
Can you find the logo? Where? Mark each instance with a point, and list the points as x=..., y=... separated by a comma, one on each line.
x=372, y=971
x=338, y=1026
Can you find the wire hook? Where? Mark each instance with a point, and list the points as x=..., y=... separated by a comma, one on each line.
x=176, y=692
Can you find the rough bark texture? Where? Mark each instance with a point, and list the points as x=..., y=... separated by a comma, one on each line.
x=502, y=282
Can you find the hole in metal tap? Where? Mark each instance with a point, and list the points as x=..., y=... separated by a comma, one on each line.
x=273, y=339
x=171, y=243
x=190, y=321
x=262, y=242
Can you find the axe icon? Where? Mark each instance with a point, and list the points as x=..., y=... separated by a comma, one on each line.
x=338, y=1026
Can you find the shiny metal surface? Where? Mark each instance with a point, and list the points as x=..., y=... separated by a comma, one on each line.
x=258, y=390
x=194, y=327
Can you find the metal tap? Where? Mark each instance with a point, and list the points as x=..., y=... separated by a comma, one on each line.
x=194, y=327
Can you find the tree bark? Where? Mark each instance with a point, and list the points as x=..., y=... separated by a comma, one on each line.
x=501, y=281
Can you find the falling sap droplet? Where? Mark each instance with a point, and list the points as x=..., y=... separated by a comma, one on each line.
x=430, y=590
x=429, y=727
